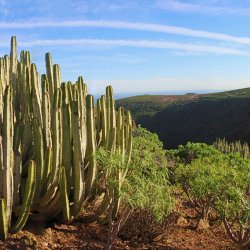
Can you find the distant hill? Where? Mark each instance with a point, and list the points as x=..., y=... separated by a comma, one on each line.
x=193, y=117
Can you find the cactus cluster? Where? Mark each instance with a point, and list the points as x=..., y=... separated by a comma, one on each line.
x=49, y=133
x=232, y=147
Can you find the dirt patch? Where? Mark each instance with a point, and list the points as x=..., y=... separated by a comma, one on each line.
x=140, y=232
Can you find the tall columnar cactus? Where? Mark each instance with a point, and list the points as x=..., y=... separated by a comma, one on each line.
x=29, y=192
x=49, y=135
x=6, y=173
x=91, y=146
x=114, y=132
x=3, y=220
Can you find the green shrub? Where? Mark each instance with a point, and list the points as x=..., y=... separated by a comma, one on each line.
x=146, y=184
x=213, y=180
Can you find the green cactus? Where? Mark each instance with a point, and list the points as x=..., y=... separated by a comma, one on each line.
x=91, y=146
x=66, y=135
x=6, y=171
x=78, y=170
x=3, y=220
x=64, y=196
x=46, y=111
x=29, y=192
x=48, y=138
x=38, y=156
x=49, y=71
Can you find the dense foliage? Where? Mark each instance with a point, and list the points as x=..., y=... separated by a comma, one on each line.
x=146, y=185
x=215, y=181
x=148, y=176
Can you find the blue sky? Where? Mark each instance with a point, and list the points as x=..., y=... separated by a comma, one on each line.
x=136, y=46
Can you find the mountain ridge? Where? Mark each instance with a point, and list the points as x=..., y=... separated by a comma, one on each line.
x=178, y=119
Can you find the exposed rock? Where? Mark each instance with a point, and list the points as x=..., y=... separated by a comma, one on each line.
x=181, y=221
x=202, y=225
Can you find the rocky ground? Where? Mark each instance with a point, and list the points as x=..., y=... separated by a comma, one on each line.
x=179, y=231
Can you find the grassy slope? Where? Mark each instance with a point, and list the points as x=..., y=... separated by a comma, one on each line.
x=178, y=119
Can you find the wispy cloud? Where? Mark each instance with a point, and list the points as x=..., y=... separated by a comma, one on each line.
x=182, y=31
x=155, y=44
x=97, y=6
x=202, y=7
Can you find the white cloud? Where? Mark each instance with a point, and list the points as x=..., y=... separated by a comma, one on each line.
x=203, y=7
x=154, y=44
x=182, y=31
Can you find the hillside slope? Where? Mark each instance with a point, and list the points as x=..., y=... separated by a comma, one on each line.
x=178, y=119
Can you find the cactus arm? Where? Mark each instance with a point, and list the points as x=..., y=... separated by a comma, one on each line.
x=39, y=157
x=78, y=172
x=47, y=167
x=98, y=122
x=56, y=130
x=13, y=58
x=46, y=112
x=36, y=98
x=128, y=144
x=49, y=72
x=119, y=127
x=104, y=120
x=3, y=220
x=64, y=196
x=56, y=144
x=28, y=198
x=91, y=146
x=66, y=135
x=57, y=76
x=111, y=120
x=82, y=114
x=7, y=167
x=25, y=58
x=13, y=72
x=6, y=71
x=17, y=164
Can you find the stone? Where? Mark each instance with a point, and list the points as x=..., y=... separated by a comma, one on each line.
x=181, y=221
x=202, y=225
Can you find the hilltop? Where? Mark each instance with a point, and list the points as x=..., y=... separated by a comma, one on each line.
x=193, y=117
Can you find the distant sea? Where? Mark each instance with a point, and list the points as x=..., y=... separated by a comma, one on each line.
x=177, y=92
